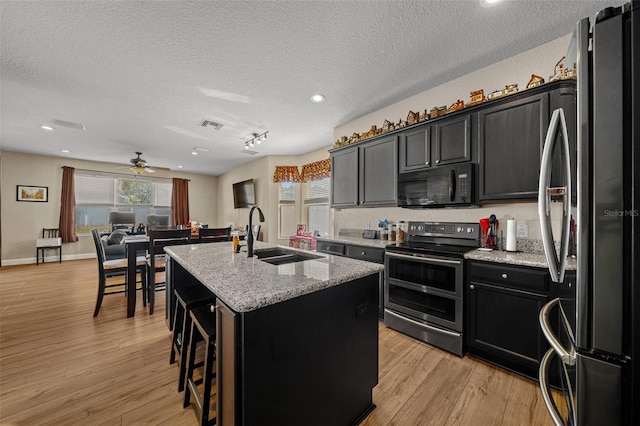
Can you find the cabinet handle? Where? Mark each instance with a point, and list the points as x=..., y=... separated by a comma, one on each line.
x=364, y=253
x=437, y=161
x=504, y=276
x=471, y=286
x=428, y=163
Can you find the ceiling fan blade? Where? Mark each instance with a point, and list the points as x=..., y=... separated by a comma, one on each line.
x=149, y=170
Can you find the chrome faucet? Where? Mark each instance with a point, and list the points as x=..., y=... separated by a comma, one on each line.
x=250, y=230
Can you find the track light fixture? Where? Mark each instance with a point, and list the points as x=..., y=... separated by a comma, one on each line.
x=257, y=139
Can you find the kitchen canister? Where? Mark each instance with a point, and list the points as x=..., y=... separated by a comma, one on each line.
x=401, y=232
x=512, y=227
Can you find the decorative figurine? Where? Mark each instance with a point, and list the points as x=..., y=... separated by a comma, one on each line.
x=558, y=71
x=477, y=97
x=387, y=126
x=412, y=118
x=535, y=81
x=456, y=106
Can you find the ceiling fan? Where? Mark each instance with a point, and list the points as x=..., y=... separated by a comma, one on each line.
x=139, y=165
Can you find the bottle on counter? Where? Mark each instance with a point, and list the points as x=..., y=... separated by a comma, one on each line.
x=401, y=232
x=392, y=233
x=236, y=242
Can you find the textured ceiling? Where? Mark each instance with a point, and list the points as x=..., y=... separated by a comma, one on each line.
x=141, y=75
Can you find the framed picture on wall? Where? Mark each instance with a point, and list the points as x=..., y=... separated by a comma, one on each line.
x=38, y=194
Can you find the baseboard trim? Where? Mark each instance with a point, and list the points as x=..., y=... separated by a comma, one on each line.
x=32, y=260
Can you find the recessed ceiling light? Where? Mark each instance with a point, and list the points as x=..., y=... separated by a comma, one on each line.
x=42, y=126
x=179, y=167
x=317, y=98
x=66, y=151
x=489, y=2
x=194, y=153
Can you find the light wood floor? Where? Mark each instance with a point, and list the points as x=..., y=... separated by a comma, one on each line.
x=61, y=366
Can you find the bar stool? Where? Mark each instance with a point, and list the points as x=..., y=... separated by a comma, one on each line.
x=203, y=327
x=187, y=298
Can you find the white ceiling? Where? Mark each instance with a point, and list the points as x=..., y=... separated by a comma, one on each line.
x=141, y=75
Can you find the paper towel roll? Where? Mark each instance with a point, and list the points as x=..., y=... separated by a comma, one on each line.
x=511, y=234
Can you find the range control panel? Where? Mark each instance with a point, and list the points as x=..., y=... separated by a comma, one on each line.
x=445, y=229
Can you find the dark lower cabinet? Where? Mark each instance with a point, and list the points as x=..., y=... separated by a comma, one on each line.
x=356, y=251
x=503, y=303
x=312, y=360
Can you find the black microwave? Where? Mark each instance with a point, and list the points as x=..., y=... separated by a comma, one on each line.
x=440, y=186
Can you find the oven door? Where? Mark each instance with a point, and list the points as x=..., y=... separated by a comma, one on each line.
x=428, y=288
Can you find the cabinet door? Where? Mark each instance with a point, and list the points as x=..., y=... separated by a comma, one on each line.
x=344, y=178
x=453, y=140
x=511, y=136
x=502, y=326
x=379, y=172
x=414, y=149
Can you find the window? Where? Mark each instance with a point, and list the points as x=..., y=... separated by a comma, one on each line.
x=316, y=202
x=97, y=195
x=287, y=221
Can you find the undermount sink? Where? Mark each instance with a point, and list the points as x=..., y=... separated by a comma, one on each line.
x=281, y=256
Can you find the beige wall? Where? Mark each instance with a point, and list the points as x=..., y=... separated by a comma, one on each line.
x=261, y=170
x=517, y=69
x=22, y=222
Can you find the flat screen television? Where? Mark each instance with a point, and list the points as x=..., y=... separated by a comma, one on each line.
x=244, y=195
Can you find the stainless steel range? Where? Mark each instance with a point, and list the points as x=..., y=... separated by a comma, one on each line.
x=424, y=281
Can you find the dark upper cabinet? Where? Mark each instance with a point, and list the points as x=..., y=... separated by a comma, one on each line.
x=378, y=172
x=444, y=141
x=511, y=136
x=565, y=98
x=414, y=149
x=452, y=140
x=344, y=177
x=365, y=174
x=510, y=140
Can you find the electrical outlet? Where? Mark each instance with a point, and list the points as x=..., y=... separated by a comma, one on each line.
x=523, y=231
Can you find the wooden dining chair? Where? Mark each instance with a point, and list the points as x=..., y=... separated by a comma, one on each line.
x=115, y=272
x=210, y=235
x=50, y=241
x=156, y=259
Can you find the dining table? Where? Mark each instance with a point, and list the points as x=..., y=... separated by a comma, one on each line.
x=133, y=244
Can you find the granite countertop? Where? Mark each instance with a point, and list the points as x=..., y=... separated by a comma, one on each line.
x=246, y=284
x=514, y=258
x=357, y=240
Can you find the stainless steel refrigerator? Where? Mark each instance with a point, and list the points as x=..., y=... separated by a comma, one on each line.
x=593, y=326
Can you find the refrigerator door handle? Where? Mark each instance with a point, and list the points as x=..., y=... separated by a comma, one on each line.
x=557, y=264
x=567, y=356
x=546, y=394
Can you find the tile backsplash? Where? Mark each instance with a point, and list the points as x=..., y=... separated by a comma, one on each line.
x=351, y=220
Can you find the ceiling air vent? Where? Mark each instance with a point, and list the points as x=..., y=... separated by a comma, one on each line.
x=205, y=123
x=249, y=152
x=69, y=124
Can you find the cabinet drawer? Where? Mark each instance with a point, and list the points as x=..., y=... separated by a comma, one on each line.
x=509, y=275
x=370, y=254
x=330, y=247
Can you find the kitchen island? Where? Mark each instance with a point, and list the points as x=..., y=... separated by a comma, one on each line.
x=297, y=343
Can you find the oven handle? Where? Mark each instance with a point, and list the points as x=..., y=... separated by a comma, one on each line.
x=423, y=258
x=439, y=330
